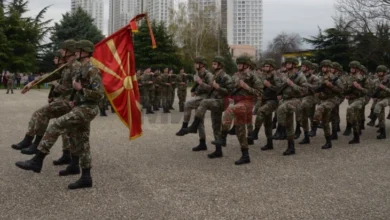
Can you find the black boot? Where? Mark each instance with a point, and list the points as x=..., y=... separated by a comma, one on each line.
x=222, y=140
x=274, y=122
x=72, y=169
x=373, y=119
x=268, y=146
x=297, y=131
x=338, y=127
x=382, y=134
x=371, y=114
x=334, y=135
x=155, y=108
x=166, y=110
x=283, y=133
x=348, y=130
x=202, y=146
x=64, y=159
x=85, y=180
x=362, y=125
x=149, y=110
x=232, y=131
x=217, y=153
x=102, y=112
x=181, y=132
x=313, y=131
x=276, y=135
x=26, y=142
x=244, y=158
x=328, y=143
x=194, y=126
x=250, y=141
x=35, y=164
x=254, y=135
x=306, y=139
x=33, y=148
x=356, y=138
x=388, y=116
x=290, y=148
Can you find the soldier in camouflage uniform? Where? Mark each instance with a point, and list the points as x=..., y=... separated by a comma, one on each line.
x=309, y=101
x=157, y=90
x=181, y=81
x=280, y=133
x=382, y=94
x=370, y=84
x=140, y=87
x=215, y=102
x=355, y=95
x=294, y=86
x=148, y=86
x=173, y=79
x=337, y=71
x=10, y=82
x=375, y=81
x=329, y=94
x=247, y=87
x=166, y=90
x=40, y=118
x=200, y=91
x=89, y=91
x=269, y=103
x=102, y=106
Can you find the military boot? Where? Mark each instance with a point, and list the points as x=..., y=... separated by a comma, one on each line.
x=382, y=134
x=232, y=131
x=102, y=112
x=283, y=133
x=372, y=114
x=388, y=116
x=250, y=141
x=149, y=110
x=222, y=140
x=254, y=135
x=72, y=169
x=298, y=131
x=313, y=131
x=217, y=153
x=166, y=110
x=306, y=139
x=290, y=148
x=348, y=131
x=362, y=125
x=244, y=158
x=181, y=132
x=202, y=146
x=372, y=122
x=356, y=138
x=269, y=145
x=277, y=134
x=26, y=142
x=155, y=108
x=274, y=122
x=171, y=108
x=193, y=128
x=328, y=143
x=338, y=127
x=85, y=180
x=33, y=148
x=334, y=135
x=35, y=164
x=64, y=159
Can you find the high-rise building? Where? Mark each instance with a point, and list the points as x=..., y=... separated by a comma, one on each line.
x=243, y=22
x=158, y=10
x=210, y=8
x=95, y=8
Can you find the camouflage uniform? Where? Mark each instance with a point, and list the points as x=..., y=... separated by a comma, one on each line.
x=148, y=86
x=383, y=100
x=291, y=102
x=181, y=90
x=166, y=92
x=157, y=90
x=10, y=82
x=173, y=79
x=337, y=71
x=141, y=88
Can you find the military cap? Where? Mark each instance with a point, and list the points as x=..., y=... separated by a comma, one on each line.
x=363, y=69
x=85, y=45
x=69, y=45
x=219, y=60
x=327, y=63
x=244, y=60
x=270, y=62
x=307, y=63
x=381, y=68
x=201, y=60
x=354, y=64
x=292, y=60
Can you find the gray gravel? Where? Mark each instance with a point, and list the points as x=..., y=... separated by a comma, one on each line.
x=158, y=176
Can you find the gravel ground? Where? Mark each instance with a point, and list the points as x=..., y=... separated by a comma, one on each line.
x=157, y=176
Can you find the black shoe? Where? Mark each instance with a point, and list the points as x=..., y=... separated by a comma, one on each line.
x=362, y=125
x=290, y=148
x=254, y=135
x=268, y=146
x=26, y=142
x=306, y=139
x=371, y=123
x=372, y=114
x=382, y=134
x=193, y=128
x=85, y=180
x=328, y=144
x=33, y=148
x=298, y=131
x=356, y=138
x=64, y=159
x=274, y=122
x=250, y=141
x=334, y=135
x=217, y=153
x=232, y=131
x=201, y=147
x=313, y=131
x=244, y=158
x=103, y=112
x=181, y=132
x=348, y=130
x=35, y=164
x=72, y=169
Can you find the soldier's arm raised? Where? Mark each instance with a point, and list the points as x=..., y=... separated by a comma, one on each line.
x=227, y=86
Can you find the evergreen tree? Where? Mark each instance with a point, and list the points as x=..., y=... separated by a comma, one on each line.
x=3, y=39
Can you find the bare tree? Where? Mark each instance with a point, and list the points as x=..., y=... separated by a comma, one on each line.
x=282, y=43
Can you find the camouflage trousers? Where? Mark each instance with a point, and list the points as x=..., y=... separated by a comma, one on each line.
x=264, y=116
x=10, y=86
x=173, y=91
x=76, y=124
x=182, y=94
x=216, y=107
x=354, y=112
x=157, y=98
x=148, y=97
x=362, y=111
x=323, y=112
x=285, y=112
x=307, y=110
x=40, y=118
x=241, y=113
x=188, y=107
x=258, y=104
x=166, y=98
x=379, y=110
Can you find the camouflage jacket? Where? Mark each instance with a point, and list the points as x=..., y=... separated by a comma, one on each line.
x=157, y=80
x=173, y=80
x=382, y=93
x=353, y=92
x=256, y=86
x=181, y=78
x=270, y=93
x=147, y=77
x=165, y=78
x=10, y=78
x=225, y=83
x=203, y=90
x=313, y=82
x=298, y=89
x=91, y=81
x=326, y=92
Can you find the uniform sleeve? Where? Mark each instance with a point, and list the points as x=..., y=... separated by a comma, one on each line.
x=301, y=84
x=338, y=87
x=278, y=84
x=207, y=83
x=95, y=92
x=258, y=87
x=227, y=86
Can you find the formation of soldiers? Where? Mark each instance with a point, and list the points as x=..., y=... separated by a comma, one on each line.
x=72, y=104
x=310, y=94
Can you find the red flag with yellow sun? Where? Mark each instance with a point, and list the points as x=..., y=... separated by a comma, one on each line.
x=114, y=56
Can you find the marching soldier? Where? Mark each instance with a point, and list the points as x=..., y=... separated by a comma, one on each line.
x=337, y=71
x=157, y=90
x=293, y=88
x=89, y=90
x=248, y=86
x=182, y=89
x=166, y=90
x=328, y=92
x=148, y=87
x=10, y=82
x=173, y=80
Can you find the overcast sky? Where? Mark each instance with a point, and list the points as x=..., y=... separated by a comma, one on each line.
x=299, y=16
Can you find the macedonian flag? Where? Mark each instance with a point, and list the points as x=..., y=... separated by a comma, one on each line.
x=114, y=56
